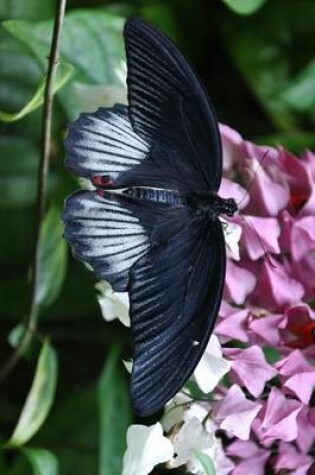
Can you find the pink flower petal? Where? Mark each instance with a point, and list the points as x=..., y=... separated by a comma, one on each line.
x=303, y=270
x=247, y=466
x=239, y=283
x=269, y=188
x=250, y=369
x=268, y=328
x=298, y=375
x=303, y=237
x=289, y=458
x=276, y=288
x=231, y=146
x=308, y=158
x=301, y=385
x=234, y=326
x=309, y=206
x=243, y=449
x=292, y=364
x=260, y=235
x=297, y=174
x=280, y=417
x=237, y=413
x=306, y=428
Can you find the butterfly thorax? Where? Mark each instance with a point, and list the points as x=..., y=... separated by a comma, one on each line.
x=211, y=204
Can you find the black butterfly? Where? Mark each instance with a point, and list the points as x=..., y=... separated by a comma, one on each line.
x=160, y=237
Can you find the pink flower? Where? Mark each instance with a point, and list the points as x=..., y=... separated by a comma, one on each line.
x=249, y=368
x=249, y=456
x=237, y=413
x=239, y=283
x=289, y=458
x=278, y=418
x=297, y=375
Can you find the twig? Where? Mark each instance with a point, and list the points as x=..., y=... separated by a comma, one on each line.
x=31, y=318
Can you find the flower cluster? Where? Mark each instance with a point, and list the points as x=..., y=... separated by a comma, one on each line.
x=262, y=412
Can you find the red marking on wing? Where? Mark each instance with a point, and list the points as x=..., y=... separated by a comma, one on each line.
x=100, y=193
x=102, y=181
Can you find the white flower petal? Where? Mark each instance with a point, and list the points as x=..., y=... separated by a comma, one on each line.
x=113, y=304
x=121, y=72
x=146, y=447
x=232, y=234
x=192, y=436
x=128, y=365
x=212, y=366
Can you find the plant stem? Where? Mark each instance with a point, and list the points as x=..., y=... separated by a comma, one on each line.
x=31, y=319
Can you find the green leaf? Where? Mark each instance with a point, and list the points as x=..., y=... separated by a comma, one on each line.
x=115, y=415
x=74, y=422
x=206, y=462
x=271, y=354
x=18, y=168
x=300, y=93
x=296, y=141
x=270, y=50
x=42, y=461
x=39, y=399
x=30, y=10
x=52, y=259
x=244, y=7
x=98, y=30
x=64, y=73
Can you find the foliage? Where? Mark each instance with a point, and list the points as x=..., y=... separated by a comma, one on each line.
x=257, y=61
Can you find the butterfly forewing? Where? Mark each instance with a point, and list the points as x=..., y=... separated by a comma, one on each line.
x=169, y=104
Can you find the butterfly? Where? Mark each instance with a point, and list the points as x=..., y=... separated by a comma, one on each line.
x=151, y=226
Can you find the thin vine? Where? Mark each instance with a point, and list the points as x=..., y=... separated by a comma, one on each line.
x=30, y=324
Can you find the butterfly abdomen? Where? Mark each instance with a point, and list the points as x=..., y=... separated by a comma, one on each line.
x=170, y=197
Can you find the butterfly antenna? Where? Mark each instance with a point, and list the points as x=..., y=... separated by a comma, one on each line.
x=253, y=178
x=260, y=241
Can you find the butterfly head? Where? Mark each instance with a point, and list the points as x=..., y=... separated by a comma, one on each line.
x=230, y=207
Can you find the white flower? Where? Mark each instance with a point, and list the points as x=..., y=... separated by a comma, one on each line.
x=191, y=437
x=232, y=234
x=194, y=437
x=211, y=367
x=146, y=447
x=113, y=304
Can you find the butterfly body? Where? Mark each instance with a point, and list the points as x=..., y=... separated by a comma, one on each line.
x=150, y=226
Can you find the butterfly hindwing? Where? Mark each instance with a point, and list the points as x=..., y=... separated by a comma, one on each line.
x=110, y=233
x=175, y=292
